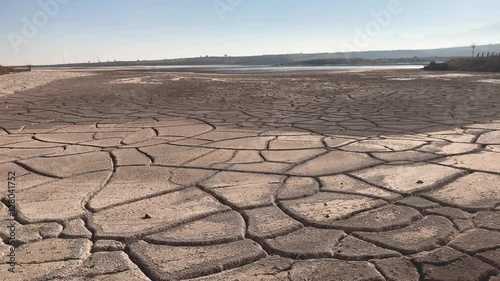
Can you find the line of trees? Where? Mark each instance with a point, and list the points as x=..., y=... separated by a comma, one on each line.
x=488, y=54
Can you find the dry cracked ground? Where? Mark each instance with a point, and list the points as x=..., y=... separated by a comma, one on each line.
x=384, y=175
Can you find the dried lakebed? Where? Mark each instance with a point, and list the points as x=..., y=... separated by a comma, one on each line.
x=123, y=175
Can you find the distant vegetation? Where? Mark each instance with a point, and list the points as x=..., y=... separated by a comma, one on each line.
x=358, y=61
x=480, y=63
x=7, y=70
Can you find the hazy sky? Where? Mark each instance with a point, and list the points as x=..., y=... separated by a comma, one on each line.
x=54, y=31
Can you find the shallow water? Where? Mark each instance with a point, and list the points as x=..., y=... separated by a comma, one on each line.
x=244, y=69
x=313, y=68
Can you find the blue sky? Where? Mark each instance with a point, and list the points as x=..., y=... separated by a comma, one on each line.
x=87, y=30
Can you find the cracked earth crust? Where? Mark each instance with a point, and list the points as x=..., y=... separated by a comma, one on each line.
x=382, y=175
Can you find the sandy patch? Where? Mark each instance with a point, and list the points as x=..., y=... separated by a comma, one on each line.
x=493, y=81
x=17, y=82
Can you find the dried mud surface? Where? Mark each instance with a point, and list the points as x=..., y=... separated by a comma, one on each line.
x=382, y=175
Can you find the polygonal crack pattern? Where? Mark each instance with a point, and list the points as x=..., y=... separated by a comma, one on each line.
x=315, y=176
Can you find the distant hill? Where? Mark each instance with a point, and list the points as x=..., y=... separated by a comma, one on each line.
x=281, y=59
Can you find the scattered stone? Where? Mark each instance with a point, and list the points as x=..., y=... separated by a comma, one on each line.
x=306, y=243
x=174, y=263
x=397, y=269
